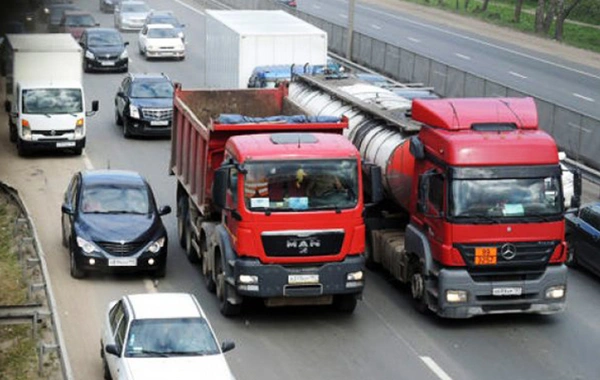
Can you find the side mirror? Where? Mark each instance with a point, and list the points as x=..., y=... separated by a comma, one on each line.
x=95, y=106
x=219, y=188
x=120, y=94
x=66, y=209
x=372, y=179
x=126, y=43
x=164, y=210
x=417, y=149
x=227, y=345
x=112, y=349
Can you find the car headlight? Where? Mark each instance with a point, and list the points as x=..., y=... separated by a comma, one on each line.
x=46, y=11
x=124, y=55
x=134, y=112
x=180, y=34
x=89, y=55
x=157, y=245
x=85, y=245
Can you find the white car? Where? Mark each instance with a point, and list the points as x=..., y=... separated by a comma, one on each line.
x=161, y=336
x=160, y=41
x=131, y=15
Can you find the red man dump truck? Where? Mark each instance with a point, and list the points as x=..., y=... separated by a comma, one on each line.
x=270, y=206
x=473, y=213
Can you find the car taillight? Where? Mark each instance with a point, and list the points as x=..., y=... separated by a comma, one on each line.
x=559, y=255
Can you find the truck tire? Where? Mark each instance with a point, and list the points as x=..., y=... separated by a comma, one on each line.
x=345, y=303
x=190, y=251
x=417, y=287
x=76, y=272
x=223, y=290
x=209, y=281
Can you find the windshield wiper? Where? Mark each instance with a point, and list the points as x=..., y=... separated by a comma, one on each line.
x=481, y=217
x=152, y=352
x=188, y=353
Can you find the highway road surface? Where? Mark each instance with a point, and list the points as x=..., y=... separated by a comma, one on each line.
x=384, y=339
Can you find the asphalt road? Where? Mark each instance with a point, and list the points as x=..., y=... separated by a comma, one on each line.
x=383, y=339
x=562, y=82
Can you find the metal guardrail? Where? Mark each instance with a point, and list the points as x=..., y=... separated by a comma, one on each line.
x=587, y=173
x=35, y=312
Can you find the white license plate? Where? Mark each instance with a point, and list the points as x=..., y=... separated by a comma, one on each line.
x=159, y=122
x=126, y=262
x=65, y=144
x=302, y=279
x=107, y=63
x=507, y=291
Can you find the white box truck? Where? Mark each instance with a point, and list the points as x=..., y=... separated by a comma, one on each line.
x=44, y=92
x=239, y=41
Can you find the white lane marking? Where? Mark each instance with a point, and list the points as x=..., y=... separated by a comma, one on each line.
x=189, y=7
x=86, y=161
x=376, y=27
x=517, y=75
x=412, y=39
x=583, y=97
x=435, y=368
x=342, y=15
x=462, y=56
x=472, y=39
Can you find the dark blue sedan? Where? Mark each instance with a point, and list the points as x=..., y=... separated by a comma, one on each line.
x=110, y=222
x=583, y=236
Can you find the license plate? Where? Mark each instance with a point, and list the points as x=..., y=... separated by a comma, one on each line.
x=159, y=122
x=302, y=279
x=507, y=291
x=486, y=255
x=65, y=144
x=107, y=63
x=126, y=262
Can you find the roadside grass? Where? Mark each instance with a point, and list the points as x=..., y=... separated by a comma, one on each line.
x=14, y=289
x=498, y=13
x=18, y=357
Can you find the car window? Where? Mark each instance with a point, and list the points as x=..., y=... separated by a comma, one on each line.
x=110, y=199
x=115, y=315
x=591, y=217
x=152, y=89
x=105, y=39
x=162, y=33
x=175, y=336
x=79, y=20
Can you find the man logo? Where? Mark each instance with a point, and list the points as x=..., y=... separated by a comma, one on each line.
x=302, y=244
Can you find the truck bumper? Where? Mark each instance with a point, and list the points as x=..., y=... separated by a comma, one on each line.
x=481, y=299
x=50, y=144
x=302, y=281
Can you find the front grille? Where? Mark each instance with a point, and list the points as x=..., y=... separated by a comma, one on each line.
x=157, y=113
x=107, y=57
x=529, y=262
x=54, y=133
x=120, y=249
x=304, y=243
x=167, y=48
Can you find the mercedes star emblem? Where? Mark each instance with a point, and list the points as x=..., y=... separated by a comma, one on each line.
x=508, y=251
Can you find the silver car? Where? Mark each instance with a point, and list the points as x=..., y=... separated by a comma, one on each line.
x=130, y=15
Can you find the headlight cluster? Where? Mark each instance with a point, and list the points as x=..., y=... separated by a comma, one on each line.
x=85, y=245
x=124, y=55
x=157, y=245
x=134, y=112
x=89, y=55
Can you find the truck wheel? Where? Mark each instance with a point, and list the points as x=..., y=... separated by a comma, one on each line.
x=190, y=251
x=417, y=287
x=345, y=303
x=223, y=291
x=182, y=215
x=76, y=272
x=210, y=283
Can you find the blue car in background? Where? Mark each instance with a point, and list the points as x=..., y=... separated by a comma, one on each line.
x=583, y=237
x=271, y=76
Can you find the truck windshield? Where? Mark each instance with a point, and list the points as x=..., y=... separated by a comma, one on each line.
x=301, y=185
x=506, y=198
x=52, y=101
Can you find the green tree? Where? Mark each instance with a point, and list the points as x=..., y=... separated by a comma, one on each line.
x=563, y=9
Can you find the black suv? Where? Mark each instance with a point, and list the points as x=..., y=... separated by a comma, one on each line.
x=104, y=50
x=144, y=105
x=583, y=237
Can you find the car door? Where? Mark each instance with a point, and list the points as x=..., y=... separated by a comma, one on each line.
x=122, y=93
x=587, y=237
x=70, y=200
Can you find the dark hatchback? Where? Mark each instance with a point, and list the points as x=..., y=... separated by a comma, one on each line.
x=56, y=13
x=583, y=236
x=104, y=50
x=144, y=105
x=110, y=222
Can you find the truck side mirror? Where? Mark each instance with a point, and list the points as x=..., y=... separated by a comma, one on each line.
x=126, y=43
x=219, y=188
x=95, y=106
x=373, y=179
x=417, y=149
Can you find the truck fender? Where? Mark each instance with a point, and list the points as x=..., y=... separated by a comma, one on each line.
x=416, y=243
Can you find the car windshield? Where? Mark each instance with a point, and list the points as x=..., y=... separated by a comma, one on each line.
x=134, y=8
x=48, y=101
x=170, y=337
x=115, y=199
x=151, y=89
x=80, y=20
x=498, y=198
x=301, y=185
x=105, y=39
x=164, y=20
x=162, y=33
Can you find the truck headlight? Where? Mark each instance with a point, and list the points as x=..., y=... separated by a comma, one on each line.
x=46, y=11
x=124, y=55
x=26, y=128
x=355, y=276
x=134, y=112
x=456, y=296
x=85, y=245
x=157, y=245
x=79, y=128
x=555, y=292
x=247, y=279
x=89, y=55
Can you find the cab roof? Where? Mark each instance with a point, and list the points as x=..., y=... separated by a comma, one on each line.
x=164, y=305
x=271, y=146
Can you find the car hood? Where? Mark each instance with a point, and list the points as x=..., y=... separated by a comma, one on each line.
x=212, y=367
x=118, y=227
x=163, y=42
x=111, y=50
x=152, y=102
